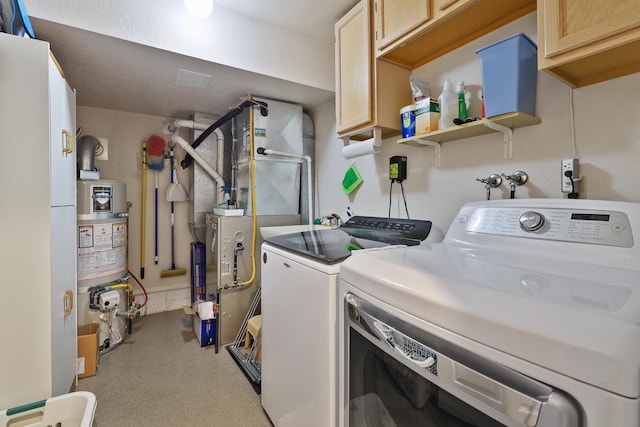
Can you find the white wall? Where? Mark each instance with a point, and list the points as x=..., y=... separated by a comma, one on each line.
x=607, y=134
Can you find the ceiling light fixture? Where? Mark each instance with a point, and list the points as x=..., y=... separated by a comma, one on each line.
x=199, y=8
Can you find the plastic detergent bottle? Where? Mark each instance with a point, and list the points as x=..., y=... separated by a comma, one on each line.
x=463, y=100
x=448, y=101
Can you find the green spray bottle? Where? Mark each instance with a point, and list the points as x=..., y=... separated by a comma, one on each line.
x=463, y=100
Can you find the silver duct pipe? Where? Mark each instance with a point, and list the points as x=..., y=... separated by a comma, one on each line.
x=87, y=147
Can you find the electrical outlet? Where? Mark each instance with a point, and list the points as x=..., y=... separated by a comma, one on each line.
x=570, y=165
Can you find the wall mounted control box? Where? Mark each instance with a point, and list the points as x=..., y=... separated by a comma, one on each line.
x=398, y=168
x=109, y=300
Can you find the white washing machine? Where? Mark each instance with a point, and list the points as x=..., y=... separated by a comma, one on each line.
x=527, y=314
x=299, y=330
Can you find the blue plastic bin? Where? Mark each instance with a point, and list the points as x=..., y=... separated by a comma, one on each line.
x=509, y=74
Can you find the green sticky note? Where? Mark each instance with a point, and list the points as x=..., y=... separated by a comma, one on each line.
x=351, y=180
x=353, y=247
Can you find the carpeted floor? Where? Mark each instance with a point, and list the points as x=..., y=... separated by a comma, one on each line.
x=160, y=376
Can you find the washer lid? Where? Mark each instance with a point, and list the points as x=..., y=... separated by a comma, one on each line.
x=329, y=246
x=577, y=319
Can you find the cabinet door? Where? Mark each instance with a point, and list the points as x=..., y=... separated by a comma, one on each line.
x=63, y=295
x=575, y=24
x=353, y=69
x=62, y=155
x=394, y=18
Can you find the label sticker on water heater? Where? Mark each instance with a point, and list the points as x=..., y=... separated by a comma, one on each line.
x=101, y=198
x=119, y=233
x=85, y=236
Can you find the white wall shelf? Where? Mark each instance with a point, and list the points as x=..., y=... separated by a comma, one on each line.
x=503, y=123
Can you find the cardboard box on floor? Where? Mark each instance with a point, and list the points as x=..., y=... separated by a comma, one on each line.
x=87, y=350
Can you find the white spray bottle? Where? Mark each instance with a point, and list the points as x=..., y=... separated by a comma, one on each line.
x=448, y=101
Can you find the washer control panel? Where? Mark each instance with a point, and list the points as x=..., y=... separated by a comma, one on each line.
x=598, y=227
x=390, y=230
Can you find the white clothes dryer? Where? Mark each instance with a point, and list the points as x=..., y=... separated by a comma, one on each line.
x=527, y=314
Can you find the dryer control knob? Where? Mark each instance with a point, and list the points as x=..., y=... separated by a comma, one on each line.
x=531, y=221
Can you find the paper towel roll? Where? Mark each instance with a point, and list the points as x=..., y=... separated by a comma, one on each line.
x=357, y=149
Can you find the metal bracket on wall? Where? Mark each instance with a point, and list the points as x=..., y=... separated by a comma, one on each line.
x=436, y=145
x=508, y=137
x=376, y=139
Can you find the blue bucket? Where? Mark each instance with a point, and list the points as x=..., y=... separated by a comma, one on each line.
x=509, y=74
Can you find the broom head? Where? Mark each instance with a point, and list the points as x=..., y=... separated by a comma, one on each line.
x=173, y=272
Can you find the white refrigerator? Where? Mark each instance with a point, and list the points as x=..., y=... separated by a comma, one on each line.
x=38, y=227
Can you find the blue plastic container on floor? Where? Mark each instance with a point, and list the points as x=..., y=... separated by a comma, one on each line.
x=509, y=74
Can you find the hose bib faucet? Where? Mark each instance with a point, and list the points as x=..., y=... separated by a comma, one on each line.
x=492, y=181
x=518, y=178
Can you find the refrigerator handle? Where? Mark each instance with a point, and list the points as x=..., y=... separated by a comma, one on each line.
x=68, y=303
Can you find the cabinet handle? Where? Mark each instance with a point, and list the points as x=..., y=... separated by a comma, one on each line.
x=68, y=303
x=448, y=4
x=67, y=142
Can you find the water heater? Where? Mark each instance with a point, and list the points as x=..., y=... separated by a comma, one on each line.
x=102, y=232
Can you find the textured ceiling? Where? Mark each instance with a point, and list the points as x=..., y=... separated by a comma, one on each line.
x=314, y=18
x=116, y=74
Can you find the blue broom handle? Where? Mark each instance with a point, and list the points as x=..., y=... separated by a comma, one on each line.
x=171, y=163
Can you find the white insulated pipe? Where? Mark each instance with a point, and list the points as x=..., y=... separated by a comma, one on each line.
x=220, y=141
x=190, y=124
x=189, y=149
x=201, y=126
x=220, y=149
x=306, y=159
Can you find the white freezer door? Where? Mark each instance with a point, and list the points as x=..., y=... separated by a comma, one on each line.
x=62, y=145
x=63, y=299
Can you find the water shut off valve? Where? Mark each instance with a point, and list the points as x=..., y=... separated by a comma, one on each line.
x=518, y=178
x=492, y=181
